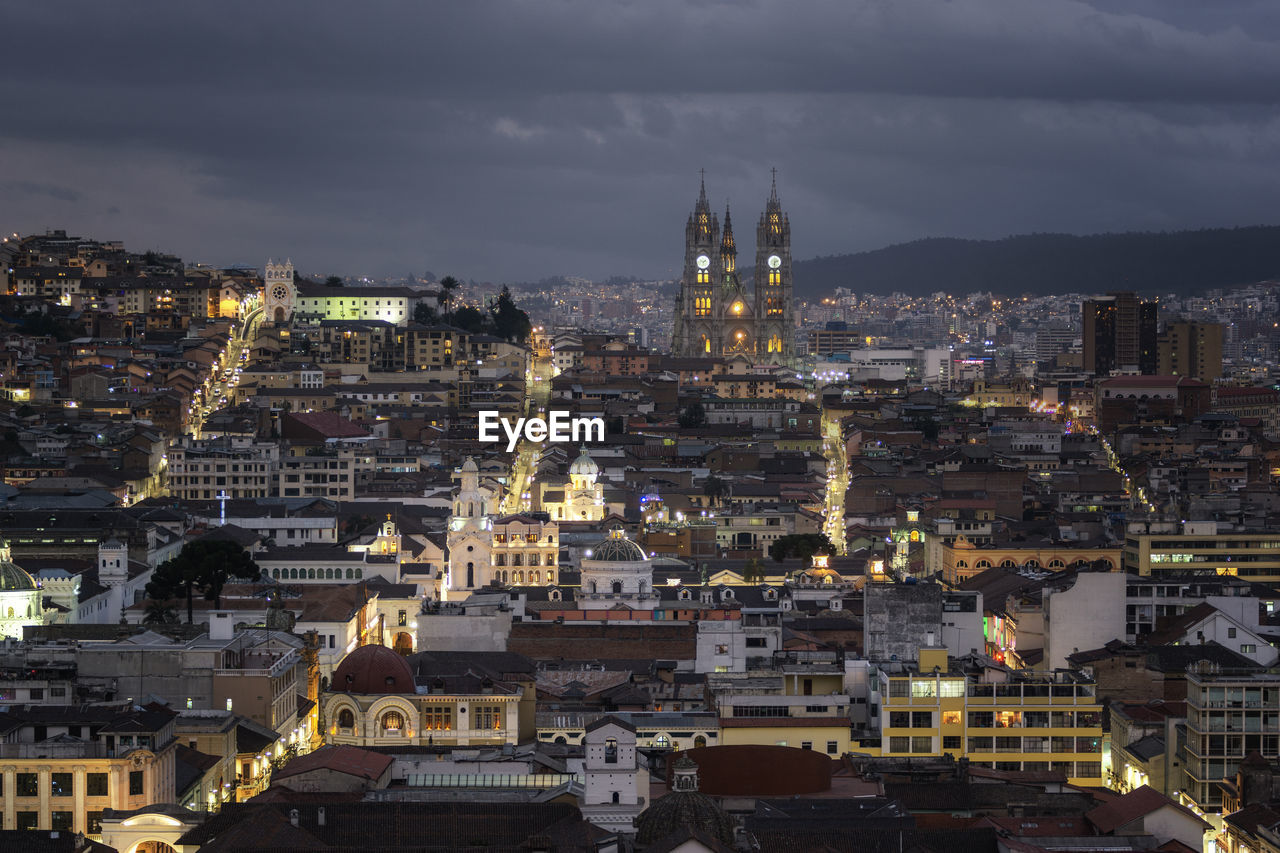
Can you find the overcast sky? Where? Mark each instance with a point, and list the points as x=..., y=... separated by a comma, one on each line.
x=514, y=140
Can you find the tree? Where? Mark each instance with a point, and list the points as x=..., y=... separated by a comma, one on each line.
x=715, y=489
x=425, y=314
x=509, y=322
x=159, y=613
x=693, y=416
x=334, y=281
x=753, y=571
x=469, y=318
x=205, y=565
x=448, y=285
x=802, y=545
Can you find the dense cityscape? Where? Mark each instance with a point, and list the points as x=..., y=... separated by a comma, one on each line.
x=265, y=584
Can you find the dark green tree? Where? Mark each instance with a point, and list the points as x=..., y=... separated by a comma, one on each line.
x=334, y=281
x=753, y=571
x=715, y=489
x=444, y=298
x=802, y=545
x=693, y=416
x=509, y=322
x=425, y=314
x=204, y=565
x=159, y=613
x=469, y=318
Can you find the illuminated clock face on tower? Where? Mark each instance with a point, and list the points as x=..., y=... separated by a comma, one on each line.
x=774, y=262
x=703, y=262
x=279, y=293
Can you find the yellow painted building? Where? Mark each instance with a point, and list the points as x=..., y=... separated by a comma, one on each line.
x=1031, y=721
x=799, y=705
x=962, y=559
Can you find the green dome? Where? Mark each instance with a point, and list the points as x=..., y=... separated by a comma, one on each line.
x=618, y=549
x=13, y=578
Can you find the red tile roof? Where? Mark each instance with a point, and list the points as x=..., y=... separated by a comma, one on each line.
x=342, y=759
x=1136, y=804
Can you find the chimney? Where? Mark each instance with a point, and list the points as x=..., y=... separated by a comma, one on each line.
x=928, y=639
x=222, y=625
x=293, y=816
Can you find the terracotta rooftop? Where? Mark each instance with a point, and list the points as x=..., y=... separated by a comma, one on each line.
x=350, y=760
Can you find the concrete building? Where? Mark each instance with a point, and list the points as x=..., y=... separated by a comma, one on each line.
x=1045, y=721
x=63, y=767
x=1191, y=348
x=1079, y=616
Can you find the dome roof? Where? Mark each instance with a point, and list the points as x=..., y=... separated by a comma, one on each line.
x=12, y=576
x=618, y=549
x=373, y=669
x=584, y=465
x=470, y=465
x=685, y=807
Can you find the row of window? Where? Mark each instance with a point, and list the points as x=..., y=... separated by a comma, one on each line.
x=316, y=574
x=434, y=718
x=63, y=784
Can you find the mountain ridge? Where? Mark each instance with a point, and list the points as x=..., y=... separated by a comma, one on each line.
x=1181, y=262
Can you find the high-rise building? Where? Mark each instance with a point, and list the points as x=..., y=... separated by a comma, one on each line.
x=1190, y=348
x=715, y=315
x=1119, y=334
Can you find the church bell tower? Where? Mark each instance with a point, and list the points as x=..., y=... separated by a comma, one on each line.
x=775, y=309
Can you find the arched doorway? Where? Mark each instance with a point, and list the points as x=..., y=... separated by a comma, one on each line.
x=153, y=847
x=279, y=316
x=403, y=643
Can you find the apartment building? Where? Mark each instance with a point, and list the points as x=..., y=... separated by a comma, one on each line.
x=1027, y=721
x=64, y=766
x=1231, y=712
x=317, y=471
x=799, y=701
x=223, y=467
x=1161, y=548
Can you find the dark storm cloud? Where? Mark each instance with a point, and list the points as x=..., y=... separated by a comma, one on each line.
x=518, y=139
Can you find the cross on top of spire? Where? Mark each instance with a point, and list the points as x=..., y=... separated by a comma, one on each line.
x=773, y=190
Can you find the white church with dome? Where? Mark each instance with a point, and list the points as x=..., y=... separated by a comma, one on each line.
x=583, y=498
x=617, y=572
x=20, y=597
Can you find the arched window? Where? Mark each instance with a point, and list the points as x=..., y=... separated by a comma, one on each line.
x=593, y=586
x=1055, y=563
x=517, y=577
x=350, y=574
x=359, y=574
x=293, y=574
x=471, y=574
x=617, y=587
x=685, y=595
x=611, y=751
x=699, y=741
x=275, y=573
x=311, y=574
x=982, y=564
x=1031, y=563
x=662, y=741
x=535, y=577
x=535, y=560
x=962, y=564
x=1008, y=564
x=502, y=560
x=551, y=576
x=555, y=595
x=517, y=560
x=392, y=723
x=346, y=719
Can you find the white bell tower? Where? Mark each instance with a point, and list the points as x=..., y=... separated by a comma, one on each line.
x=280, y=292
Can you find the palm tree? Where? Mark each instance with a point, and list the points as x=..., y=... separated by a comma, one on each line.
x=448, y=285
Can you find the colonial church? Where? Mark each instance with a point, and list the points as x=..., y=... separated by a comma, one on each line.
x=715, y=315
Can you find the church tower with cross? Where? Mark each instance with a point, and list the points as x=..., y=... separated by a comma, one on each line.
x=715, y=315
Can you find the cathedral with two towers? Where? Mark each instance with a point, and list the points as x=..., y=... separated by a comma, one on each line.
x=715, y=315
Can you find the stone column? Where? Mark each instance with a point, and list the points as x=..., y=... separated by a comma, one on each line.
x=80, y=822
x=43, y=782
x=10, y=793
